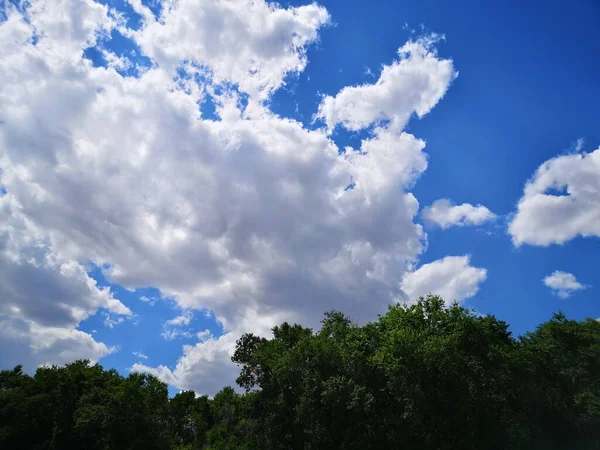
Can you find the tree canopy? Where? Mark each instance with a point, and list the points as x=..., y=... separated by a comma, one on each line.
x=422, y=376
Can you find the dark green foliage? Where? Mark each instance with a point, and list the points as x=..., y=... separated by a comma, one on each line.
x=422, y=376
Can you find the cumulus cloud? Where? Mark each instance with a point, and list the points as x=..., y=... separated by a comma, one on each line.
x=452, y=277
x=563, y=284
x=413, y=84
x=254, y=44
x=445, y=213
x=43, y=298
x=560, y=202
x=204, y=367
x=247, y=215
x=30, y=344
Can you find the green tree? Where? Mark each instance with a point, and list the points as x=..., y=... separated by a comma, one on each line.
x=560, y=364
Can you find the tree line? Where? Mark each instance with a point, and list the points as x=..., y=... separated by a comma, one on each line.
x=423, y=376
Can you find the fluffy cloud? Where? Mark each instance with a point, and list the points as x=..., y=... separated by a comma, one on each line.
x=544, y=217
x=43, y=297
x=251, y=43
x=247, y=215
x=204, y=367
x=563, y=284
x=446, y=214
x=453, y=278
x=31, y=344
x=413, y=84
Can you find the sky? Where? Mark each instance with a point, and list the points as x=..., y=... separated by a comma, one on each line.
x=176, y=173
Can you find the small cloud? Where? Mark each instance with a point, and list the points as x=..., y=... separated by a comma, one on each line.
x=150, y=300
x=114, y=349
x=172, y=328
x=579, y=145
x=170, y=334
x=94, y=331
x=204, y=335
x=140, y=355
x=563, y=284
x=452, y=277
x=183, y=319
x=110, y=321
x=445, y=213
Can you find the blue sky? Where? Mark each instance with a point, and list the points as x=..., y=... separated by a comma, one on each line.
x=168, y=184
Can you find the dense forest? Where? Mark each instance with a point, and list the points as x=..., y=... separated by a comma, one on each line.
x=423, y=376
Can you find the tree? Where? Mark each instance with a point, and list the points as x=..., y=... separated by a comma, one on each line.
x=560, y=361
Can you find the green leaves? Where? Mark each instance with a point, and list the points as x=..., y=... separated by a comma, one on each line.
x=423, y=376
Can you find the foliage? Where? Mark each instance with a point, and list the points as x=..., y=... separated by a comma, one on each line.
x=422, y=376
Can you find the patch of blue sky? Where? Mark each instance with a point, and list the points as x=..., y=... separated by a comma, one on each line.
x=2, y=187
x=191, y=71
x=208, y=108
x=558, y=191
x=20, y=5
x=121, y=46
x=155, y=6
x=95, y=56
x=143, y=332
x=132, y=19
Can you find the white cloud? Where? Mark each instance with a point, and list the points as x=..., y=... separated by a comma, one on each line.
x=149, y=300
x=115, y=61
x=413, y=84
x=110, y=321
x=139, y=355
x=182, y=319
x=452, y=277
x=123, y=172
x=43, y=298
x=204, y=367
x=384, y=159
x=251, y=43
x=203, y=335
x=172, y=333
x=43, y=294
x=446, y=214
x=32, y=345
x=563, y=284
x=172, y=328
x=545, y=218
